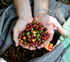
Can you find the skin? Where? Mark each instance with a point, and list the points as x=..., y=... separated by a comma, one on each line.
x=25, y=16
x=48, y=21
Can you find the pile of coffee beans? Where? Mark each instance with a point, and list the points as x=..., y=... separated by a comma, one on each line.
x=19, y=54
x=34, y=34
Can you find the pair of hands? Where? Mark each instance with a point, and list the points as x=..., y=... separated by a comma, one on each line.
x=48, y=21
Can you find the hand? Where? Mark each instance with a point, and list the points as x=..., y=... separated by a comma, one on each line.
x=49, y=22
x=24, y=13
x=18, y=28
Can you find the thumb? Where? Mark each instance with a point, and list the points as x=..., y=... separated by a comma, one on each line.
x=15, y=38
x=58, y=26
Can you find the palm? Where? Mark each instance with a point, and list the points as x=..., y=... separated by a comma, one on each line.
x=49, y=22
x=19, y=27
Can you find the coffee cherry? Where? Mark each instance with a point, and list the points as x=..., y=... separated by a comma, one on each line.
x=36, y=42
x=28, y=33
x=33, y=40
x=29, y=29
x=24, y=37
x=33, y=32
x=46, y=32
x=42, y=40
x=26, y=29
x=39, y=39
x=36, y=27
x=22, y=32
x=20, y=36
x=32, y=29
x=21, y=40
x=39, y=23
x=28, y=40
x=27, y=26
x=28, y=44
x=49, y=44
x=31, y=43
x=42, y=37
x=42, y=27
x=43, y=33
x=25, y=43
x=45, y=38
x=35, y=22
x=51, y=47
x=39, y=43
x=31, y=26
x=29, y=36
x=38, y=35
x=39, y=29
x=34, y=35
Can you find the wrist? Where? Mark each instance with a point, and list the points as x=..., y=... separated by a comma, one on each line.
x=24, y=13
x=26, y=19
x=40, y=12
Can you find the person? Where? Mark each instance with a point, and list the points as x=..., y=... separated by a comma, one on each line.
x=24, y=13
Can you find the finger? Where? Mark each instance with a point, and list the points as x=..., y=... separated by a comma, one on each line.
x=59, y=27
x=15, y=37
x=32, y=48
x=50, y=33
x=38, y=47
x=24, y=46
x=42, y=45
x=49, y=38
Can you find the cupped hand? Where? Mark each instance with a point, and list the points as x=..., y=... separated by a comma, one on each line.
x=18, y=28
x=49, y=22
